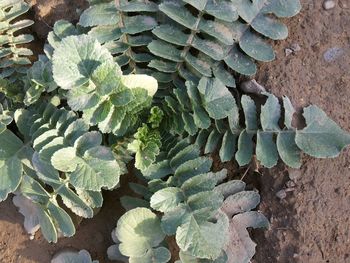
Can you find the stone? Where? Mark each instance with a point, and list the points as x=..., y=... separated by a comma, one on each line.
x=295, y=47
x=332, y=54
x=290, y=184
x=294, y=174
x=281, y=194
x=328, y=4
x=288, y=51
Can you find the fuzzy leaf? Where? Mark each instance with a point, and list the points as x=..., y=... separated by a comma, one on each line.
x=95, y=170
x=141, y=81
x=146, y=146
x=192, y=168
x=230, y=188
x=47, y=225
x=82, y=256
x=166, y=199
x=101, y=14
x=13, y=57
x=138, y=24
x=288, y=150
x=202, y=182
x=240, y=247
x=157, y=255
x=65, y=160
x=322, y=137
x=76, y=58
x=205, y=240
x=10, y=164
x=266, y=149
x=62, y=220
x=220, y=42
x=138, y=230
x=217, y=100
x=30, y=212
x=240, y=202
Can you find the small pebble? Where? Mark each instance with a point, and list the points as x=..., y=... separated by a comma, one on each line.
x=290, y=184
x=281, y=194
x=292, y=49
x=294, y=174
x=333, y=54
x=328, y=4
x=288, y=51
x=251, y=86
x=295, y=47
x=290, y=189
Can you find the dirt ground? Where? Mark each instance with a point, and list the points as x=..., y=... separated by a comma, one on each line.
x=311, y=224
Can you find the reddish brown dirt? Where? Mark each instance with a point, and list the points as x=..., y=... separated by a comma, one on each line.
x=47, y=12
x=93, y=235
x=311, y=225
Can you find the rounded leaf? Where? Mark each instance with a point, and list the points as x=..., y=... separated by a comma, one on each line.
x=141, y=81
x=322, y=137
x=82, y=256
x=138, y=230
x=167, y=199
x=76, y=58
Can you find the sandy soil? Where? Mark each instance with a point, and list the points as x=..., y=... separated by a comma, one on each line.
x=312, y=223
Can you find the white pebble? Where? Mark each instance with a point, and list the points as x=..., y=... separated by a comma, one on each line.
x=295, y=47
x=290, y=184
x=288, y=51
x=328, y=4
x=281, y=194
x=294, y=174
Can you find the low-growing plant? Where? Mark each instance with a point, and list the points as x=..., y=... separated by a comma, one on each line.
x=149, y=81
x=13, y=57
x=70, y=256
x=190, y=39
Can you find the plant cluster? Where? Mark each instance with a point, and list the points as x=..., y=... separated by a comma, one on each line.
x=153, y=82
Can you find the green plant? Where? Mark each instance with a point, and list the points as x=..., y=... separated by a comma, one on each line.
x=190, y=39
x=198, y=207
x=70, y=125
x=66, y=257
x=210, y=113
x=125, y=35
x=55, y=154
x=39, y=80
x=13, y=57
x=207, y=39
x=57, y=150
